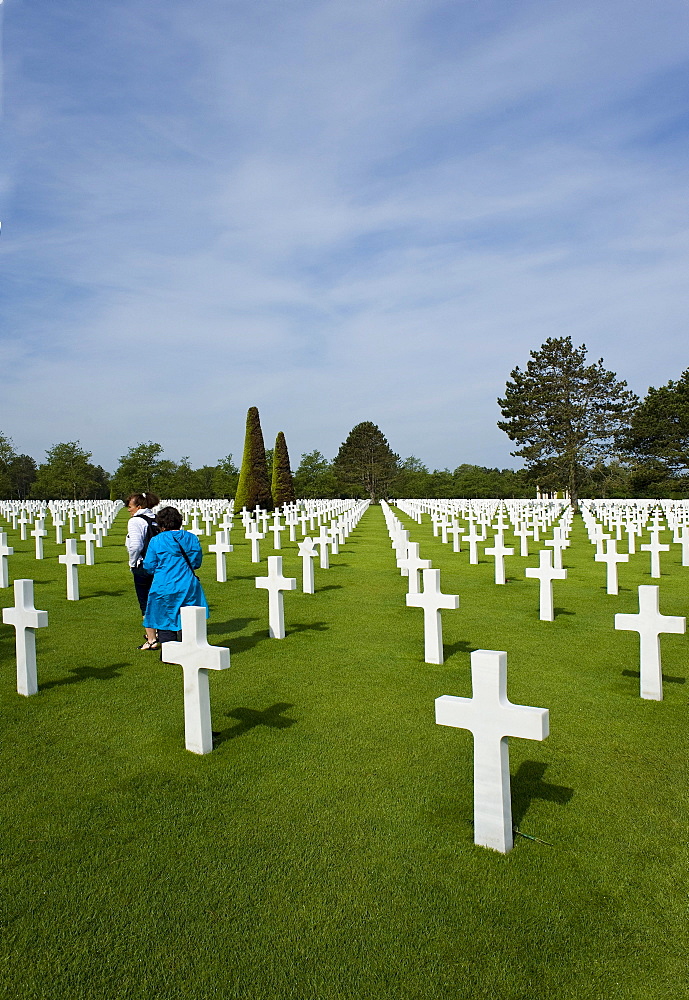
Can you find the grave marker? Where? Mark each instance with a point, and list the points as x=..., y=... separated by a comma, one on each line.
x=492, y=718
x=546, y=573
x=72, y=560
x=275, y=583
x=432, y=601
x=649, y=623
x=196, y=657
x=25, y=619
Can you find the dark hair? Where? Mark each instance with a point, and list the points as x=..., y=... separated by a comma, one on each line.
x=143, y=500
x=169, y=519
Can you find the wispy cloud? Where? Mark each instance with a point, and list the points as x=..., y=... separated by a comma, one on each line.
x=334, y=211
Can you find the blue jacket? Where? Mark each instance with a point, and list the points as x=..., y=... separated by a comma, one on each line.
x=174, y=584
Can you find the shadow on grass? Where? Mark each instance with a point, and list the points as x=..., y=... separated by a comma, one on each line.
x=101, y=593
x=86, y=674
x=249, y=718
x=527, y=784
x=458, y=647
x=312, y=627
x=666, y=677
x=561, y=611
x=331, y=586
x=233, y=625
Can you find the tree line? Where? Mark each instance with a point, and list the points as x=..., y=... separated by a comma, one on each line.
x=577, y=427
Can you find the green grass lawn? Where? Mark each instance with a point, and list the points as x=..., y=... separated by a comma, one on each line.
x=325, y=848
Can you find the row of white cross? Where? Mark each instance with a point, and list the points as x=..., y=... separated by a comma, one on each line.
x=489, y=714
x=193, y=653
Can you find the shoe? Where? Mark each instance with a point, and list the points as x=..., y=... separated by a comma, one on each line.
x=150, y=644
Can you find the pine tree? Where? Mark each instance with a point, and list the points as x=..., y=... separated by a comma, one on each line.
x=658, y=434
x=254, y=485
x=564, y=414
x=365, y=464
x=282, y=486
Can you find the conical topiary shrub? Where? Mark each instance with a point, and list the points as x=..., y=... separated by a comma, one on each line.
x=254, y=485
x=283, y=487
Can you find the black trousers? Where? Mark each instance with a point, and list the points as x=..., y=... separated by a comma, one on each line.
x=164, y=635
x=142, y=585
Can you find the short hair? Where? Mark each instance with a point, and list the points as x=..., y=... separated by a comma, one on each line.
x=169, y=519
x=143, y=500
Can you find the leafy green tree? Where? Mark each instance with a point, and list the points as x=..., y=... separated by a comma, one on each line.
x=140, y=471
x=181, y=484
x=282, y=486
x=314, y=479
x=67, y=474
x=254, y=483
x=564, y=414
x=165, y=481
x=658, y=431
x=413, y=479
x=366, y=465
x=7, y=457
x=22, y=473
x=225, y=478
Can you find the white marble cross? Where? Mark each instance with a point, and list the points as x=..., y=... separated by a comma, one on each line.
x=334, y=539
x=196, y=657
x=456, y=531
x=522, y=532
x=221, y=548
x=410, y=566
x=546, y=573
x=558, y=543
x=277, y=528
x=612, y=557
x=308, y=552
x=254, y=536
x=275, y=583
x=323, y=543
x=58, y=523
x=23, y=521
x=432, y=601
x=684, y=542
x=655, y=548
x=39, y=533
x=26, y=619
x=492, y=718
x=649, y=623
x=473, y=538
x=89, y=537
x=499, y=551
x=5, y=551
x=71, y=559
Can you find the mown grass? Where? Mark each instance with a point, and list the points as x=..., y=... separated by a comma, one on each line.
x=324, y=849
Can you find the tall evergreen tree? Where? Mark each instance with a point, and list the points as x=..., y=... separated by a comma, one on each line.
x=564, y=414
x=658, y=434
x=254, y=484
x=282, y=486
x=366, y=465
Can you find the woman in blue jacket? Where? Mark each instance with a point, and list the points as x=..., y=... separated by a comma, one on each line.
x=172, y=557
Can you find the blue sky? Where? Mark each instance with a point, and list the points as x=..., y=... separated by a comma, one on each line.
x=334, y=210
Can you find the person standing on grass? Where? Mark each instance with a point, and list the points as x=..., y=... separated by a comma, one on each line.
x=142, y=528
x=172, y=557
